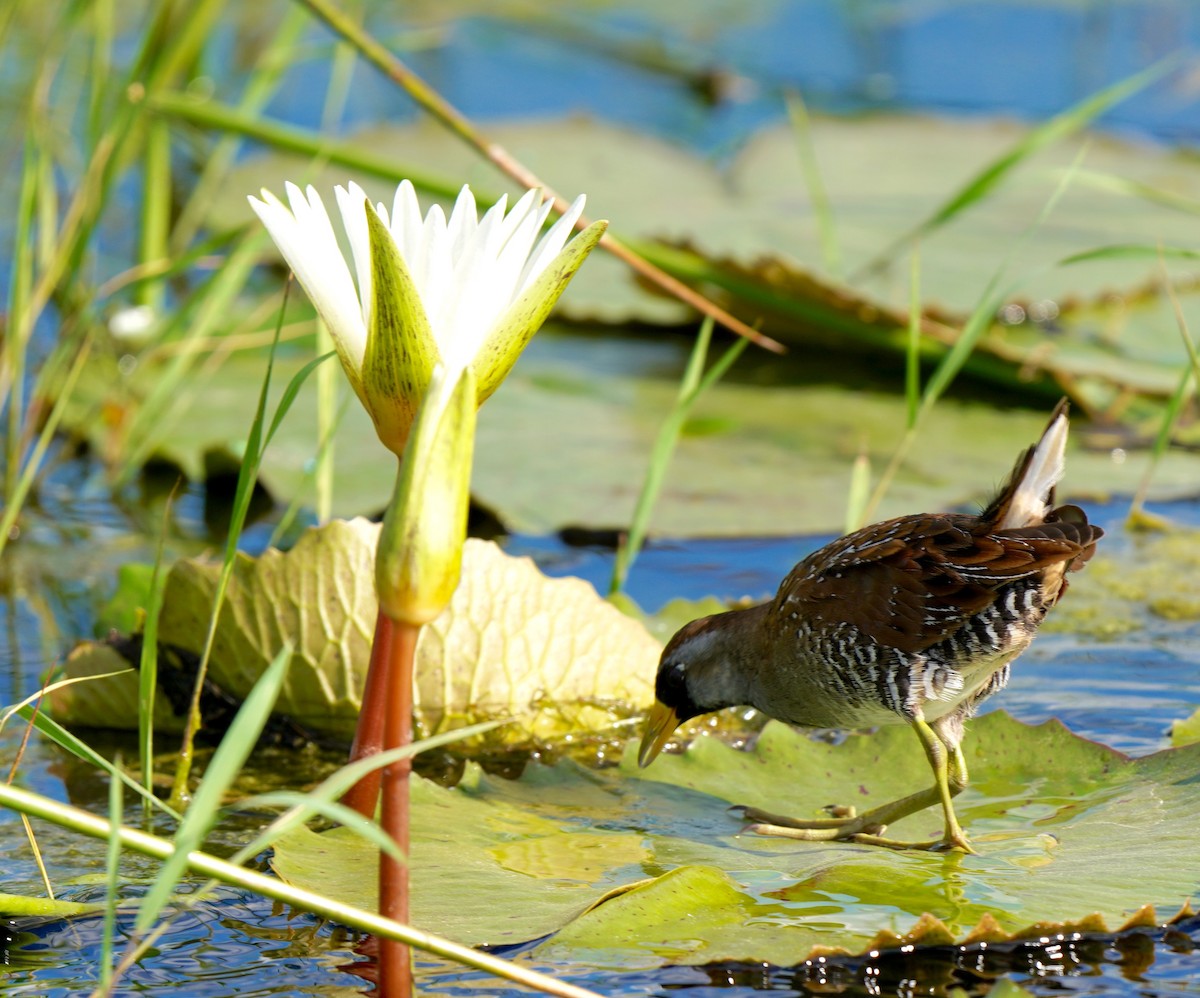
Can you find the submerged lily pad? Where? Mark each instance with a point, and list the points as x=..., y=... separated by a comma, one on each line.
x=548, y=653
x=1046, y=810
x=1153, y=575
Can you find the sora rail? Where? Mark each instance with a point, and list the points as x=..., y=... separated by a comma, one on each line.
x=915, y=620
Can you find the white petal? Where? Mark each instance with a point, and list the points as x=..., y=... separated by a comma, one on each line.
x=473, y=301
x=436, y=279
x=529, y=202
x=493, y=218
x=511, y=257
x=551, y=245
x=406, y=222
x=353, y=205
x=464, y=220
x=307, y=242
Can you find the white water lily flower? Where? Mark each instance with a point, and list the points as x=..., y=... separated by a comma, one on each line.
x=464, y=292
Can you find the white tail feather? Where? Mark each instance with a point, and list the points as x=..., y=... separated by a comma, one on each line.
x=1045, y=469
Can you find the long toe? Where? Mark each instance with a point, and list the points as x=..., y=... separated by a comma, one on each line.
x=843, y=820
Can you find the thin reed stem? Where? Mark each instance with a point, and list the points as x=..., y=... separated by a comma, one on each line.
x=395, y=70
x=77, y=820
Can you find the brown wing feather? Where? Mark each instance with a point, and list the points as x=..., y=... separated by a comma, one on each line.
x=913, y=581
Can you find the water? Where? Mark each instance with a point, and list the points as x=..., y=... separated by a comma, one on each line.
x=239, y=943
x=1023, y=59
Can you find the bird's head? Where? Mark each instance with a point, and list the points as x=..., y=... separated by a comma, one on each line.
x=693, y=679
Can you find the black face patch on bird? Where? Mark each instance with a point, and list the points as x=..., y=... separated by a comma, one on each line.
x=671, y=689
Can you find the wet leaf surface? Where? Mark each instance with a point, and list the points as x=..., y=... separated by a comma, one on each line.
x=548, y=653
x=1046, y=810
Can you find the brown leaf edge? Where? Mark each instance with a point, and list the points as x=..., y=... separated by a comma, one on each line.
x=928, y=930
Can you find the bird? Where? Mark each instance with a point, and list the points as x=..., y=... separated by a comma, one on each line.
x=915, y=620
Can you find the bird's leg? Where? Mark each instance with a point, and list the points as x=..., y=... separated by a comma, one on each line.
x=950, y=778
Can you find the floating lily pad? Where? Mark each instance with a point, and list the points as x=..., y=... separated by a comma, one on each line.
x=548, y=653
x=1046, y=810
x=751, y=237
x=1187, y=731
x=567, y=437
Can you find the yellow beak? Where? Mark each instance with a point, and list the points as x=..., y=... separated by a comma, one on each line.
x=661, y=723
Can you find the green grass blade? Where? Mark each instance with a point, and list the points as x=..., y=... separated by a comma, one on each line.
x=12, y=380
x=859, y=494
x=319, y=466
x=912, y=358
x=112, y=878
x=691, y=388
x=236, y=746
x=80, y=749
x=247, y=475
x=286, y=400
x=13, y=709
x=156, y=212
x=214, y=300
x=984, y=313
x=26, y=475
x=334, y=786
x=256, y=445
x=1162, y=440
x=831, y=256
x=977, y=324
x=307, y=142
x=979, y=186
x=148, y=665
x=1131, y=251
x=277, y=58
x=101, y=68
x=1137, y=190
x=363, y=827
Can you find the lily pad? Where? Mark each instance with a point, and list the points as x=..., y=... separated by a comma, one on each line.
x=548, y=653
x=1187, y=731
x=567, y=437
x=1046, y=811
x=751, y=238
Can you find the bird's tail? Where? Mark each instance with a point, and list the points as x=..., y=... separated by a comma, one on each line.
x=1029, y=492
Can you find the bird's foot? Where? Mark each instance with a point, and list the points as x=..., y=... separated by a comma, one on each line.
x=936, y=845
x=842, y=823
x=845, y=825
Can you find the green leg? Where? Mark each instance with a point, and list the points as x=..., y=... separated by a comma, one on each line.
x=950, y=778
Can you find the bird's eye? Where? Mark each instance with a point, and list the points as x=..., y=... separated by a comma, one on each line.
x=671, y=686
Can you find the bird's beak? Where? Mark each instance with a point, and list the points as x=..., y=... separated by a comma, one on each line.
x=661, y=723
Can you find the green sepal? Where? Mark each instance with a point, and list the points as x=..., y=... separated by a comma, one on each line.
x=515, y=328
x=419, y=558
x=401, y=351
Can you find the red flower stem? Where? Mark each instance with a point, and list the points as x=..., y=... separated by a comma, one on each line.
x=395, y=964
x=368, y=734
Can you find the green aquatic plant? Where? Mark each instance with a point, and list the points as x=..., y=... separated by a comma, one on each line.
x=441, y=311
